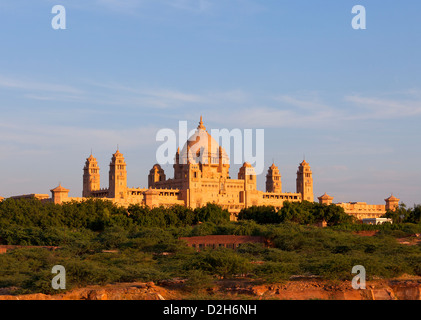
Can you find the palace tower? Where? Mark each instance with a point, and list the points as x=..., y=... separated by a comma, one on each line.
x=91, y=177
x=273, y=180
x=305, y=181
x=117, y=176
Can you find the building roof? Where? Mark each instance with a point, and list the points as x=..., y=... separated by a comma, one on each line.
x=157, y=167
x=247, y=165
x=91, y=158
x=117, y=154
x=201, y=126
x=91, y=162
x=31, y=196
x=325, y=197
x=200, y=145
x=392, y=198
x=304, y=163
x=59, y=189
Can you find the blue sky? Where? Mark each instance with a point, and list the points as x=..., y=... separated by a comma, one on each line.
x=350, y=100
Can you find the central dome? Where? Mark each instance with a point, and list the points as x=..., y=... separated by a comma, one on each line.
x=201, y=147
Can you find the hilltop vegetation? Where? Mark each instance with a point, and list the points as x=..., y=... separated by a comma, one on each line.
x=144, y=244
x=299, y=212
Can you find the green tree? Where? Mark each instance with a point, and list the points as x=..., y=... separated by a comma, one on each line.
x=222, y=262
x=211, y=213
x=260, y=214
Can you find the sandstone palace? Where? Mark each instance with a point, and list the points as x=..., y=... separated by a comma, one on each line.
x=201, y=176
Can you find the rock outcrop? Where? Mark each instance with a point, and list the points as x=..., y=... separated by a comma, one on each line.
x=234, y=289
x=124, y=291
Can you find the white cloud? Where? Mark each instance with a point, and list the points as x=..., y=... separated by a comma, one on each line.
x=190, y=5
x=13, y=83
x=283, y=111
x=34, y=136
x=246, y=109
x=129, y=6
x=378, y=108
x=121, y=4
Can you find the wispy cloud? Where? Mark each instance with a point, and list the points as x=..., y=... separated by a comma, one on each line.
x=30, y=85
x=316, y=110
x=138, y=96
x=246, y=109
x=190, y=5
x=380, y=108
x=121, y=4
x=283, y=111
x=168, y=98
x=35, y=138
x=129, y=6
x=195, y=7
x=100, y=93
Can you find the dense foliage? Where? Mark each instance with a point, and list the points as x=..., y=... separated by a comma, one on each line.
x=101, y=243
x=30, y=222
x=300, y=212
x=404, y=214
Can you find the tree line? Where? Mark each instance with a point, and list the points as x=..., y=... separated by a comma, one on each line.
x=403, y=214
x=96, y=214
x=305, y=213
x=31, y=222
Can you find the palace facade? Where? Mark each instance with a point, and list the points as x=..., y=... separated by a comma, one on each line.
x=201, y=175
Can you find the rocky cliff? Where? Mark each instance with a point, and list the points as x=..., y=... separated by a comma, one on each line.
x=409, y=289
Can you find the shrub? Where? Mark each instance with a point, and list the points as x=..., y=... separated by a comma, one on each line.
x=198, y=281
x=221, y=262
x=272, y=272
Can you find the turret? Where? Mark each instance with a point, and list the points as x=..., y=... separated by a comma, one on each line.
x=156, y=174
x=273, y=180
x=392, y=203
x=325, y=199
x=117, y=176
x=248, y=174
x=59, y=194
x=305, y=181
x=91, y=177
x=177, y=157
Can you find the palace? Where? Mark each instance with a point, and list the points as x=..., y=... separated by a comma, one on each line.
x=201, y=176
